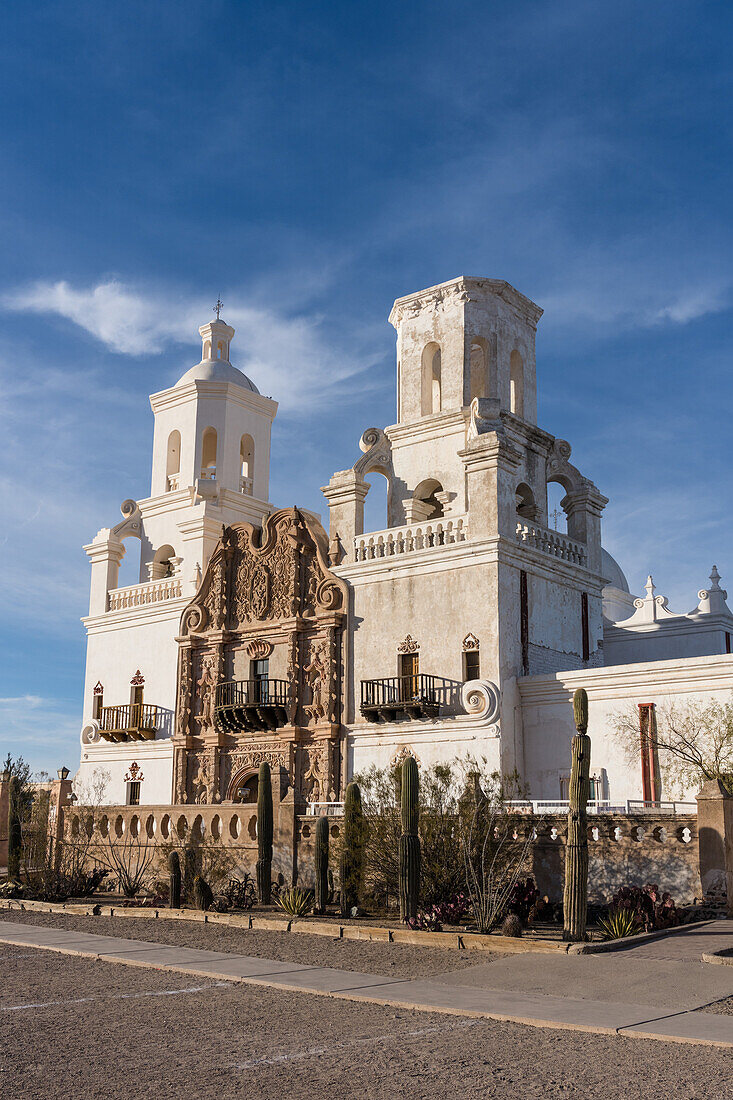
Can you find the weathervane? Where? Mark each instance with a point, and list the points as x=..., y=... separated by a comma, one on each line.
x=556, y=515
x=218, y=307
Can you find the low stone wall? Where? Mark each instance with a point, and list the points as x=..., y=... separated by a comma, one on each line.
x=623, y=850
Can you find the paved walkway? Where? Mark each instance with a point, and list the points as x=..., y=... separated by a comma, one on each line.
x=449, y=993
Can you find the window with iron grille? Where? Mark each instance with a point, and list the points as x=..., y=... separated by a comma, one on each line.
x=133, y=793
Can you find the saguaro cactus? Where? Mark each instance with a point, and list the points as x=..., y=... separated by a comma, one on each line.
x=409, y=840
x=575, y=897
x=202, y=893
x=174, y=869
x=353, y=850
x=321, y=862
x=264, y=834
x=14, y=830
x=189, y=872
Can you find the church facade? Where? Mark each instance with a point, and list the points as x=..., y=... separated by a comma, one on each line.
x=460, y=629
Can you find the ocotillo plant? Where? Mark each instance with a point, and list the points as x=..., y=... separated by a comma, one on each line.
x=174, y=868
x=264, y=834
x=321, y=862
x=14, y=830
x=575, y=897
x=409, y=840
x=352, y=852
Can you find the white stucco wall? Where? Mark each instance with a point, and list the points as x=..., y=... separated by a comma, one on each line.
x=547, y=716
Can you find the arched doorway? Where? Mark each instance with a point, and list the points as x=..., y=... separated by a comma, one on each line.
x=244, y=787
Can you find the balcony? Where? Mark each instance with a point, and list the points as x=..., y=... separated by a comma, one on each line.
x=252, y=705
x=413, y=696
x=134, y=722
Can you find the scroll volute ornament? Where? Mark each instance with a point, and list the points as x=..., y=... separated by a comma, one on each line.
x=259, y=649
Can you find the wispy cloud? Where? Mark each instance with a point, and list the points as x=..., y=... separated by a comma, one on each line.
x=39, y=729
x=293, y=356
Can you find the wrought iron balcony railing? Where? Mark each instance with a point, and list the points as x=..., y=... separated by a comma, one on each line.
x=252, y=704
x=415, y=696
x=134, y=722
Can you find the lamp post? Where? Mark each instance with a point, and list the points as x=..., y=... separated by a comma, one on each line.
x=63, y=773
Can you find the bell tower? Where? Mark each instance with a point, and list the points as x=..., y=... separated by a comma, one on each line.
x=467, y=338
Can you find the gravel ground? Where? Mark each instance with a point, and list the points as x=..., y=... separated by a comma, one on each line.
x=95, y=1029
x=394, y=960
x=721, y=1008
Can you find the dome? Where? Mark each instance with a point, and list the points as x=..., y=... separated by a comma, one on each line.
x=217, y=370
x=612, y=572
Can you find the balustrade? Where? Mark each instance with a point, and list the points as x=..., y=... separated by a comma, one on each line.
x=406, y=540
x=551, y=542
x=141, y=595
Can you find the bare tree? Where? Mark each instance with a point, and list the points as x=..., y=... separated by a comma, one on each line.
x=693, y=739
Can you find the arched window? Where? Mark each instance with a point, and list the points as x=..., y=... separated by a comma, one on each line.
x=247, y=464
x=207, y=349
x=376, y=504
x=221, y=351
x=557, y=519
x=526, y=506
x=431, y=380
x=427, y=492
x=173, y=461
x=516, y=383
x=163, y=563
x=208, y=455
x=478, y=370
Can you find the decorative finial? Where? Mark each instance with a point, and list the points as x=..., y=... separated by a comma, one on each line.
x=649, y=587
x=218, y=307
x=715, y=577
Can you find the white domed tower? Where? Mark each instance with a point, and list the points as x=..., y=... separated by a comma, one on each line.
x=211, y=466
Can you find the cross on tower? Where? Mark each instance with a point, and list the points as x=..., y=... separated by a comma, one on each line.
x=556, y=515
x=218, y=307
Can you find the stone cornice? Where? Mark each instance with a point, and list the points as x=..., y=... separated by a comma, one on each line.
x=428, y=427
x=620, y=682
x=136, y=616
x=228, y=391
x=466, y=288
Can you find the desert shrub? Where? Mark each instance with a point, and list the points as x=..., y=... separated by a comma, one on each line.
x=652, y=908
x=512, y=926
x=442, y=820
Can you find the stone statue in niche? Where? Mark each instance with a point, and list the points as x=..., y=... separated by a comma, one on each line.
x=207, y=694
x=317, y=679
x=201, y=783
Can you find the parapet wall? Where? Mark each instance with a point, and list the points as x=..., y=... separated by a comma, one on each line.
x=623, y=850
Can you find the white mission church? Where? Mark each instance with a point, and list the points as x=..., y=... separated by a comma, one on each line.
x=460, y=629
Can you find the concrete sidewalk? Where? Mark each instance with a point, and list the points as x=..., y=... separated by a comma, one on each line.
x=450, y=993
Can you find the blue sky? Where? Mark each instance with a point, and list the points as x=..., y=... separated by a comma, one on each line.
x=310, y=163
